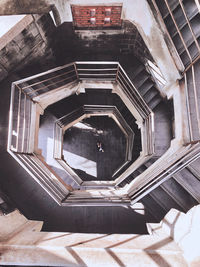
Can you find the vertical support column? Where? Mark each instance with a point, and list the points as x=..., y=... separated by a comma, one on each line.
x=36, y=111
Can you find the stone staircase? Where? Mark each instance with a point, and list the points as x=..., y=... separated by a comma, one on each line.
x=182, y=22
x=96, y=97
x=105, y=97
x=169, y=243
x=181, y=19
x=163, y=136
x=143, y=82
x=182, y=192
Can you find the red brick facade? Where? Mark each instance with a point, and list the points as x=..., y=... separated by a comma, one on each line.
x=96, y=16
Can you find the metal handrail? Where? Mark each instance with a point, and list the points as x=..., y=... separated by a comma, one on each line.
x=22, y=88
x=192, y=101
x=133, y=94
x=21, y=134
x=191, y=57
x=116, y=74
x=91, y=110
x=38, y=169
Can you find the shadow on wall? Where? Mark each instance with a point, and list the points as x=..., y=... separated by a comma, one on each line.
x=105, y=220
x=93, y=46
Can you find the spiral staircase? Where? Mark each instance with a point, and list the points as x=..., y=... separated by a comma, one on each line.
x=157, y=118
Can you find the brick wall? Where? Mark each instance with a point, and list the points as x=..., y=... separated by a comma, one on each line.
x=94, y=17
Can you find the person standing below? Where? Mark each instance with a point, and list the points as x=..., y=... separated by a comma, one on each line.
x=100, y=147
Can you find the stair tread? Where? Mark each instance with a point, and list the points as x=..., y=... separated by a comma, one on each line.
x=164, y=199
x=189, y=182
x=179, y=194
x=184, y=23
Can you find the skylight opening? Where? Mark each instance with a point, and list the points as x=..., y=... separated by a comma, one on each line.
x=8, y=22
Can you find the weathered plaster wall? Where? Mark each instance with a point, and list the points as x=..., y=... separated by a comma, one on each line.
x=173, y=242
x=27, y=41
x=10, y=7
x=139, y=13
x=98, y=45
x=185, y=231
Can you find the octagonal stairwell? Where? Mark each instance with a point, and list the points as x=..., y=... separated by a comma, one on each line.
x=159, y=149
x=93, y=97
x=174, y=192
x=84, y=143
x=38, y=89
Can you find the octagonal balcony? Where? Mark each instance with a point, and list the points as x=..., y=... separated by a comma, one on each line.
x=75, y=142
x=38, y=92
x=81, y=152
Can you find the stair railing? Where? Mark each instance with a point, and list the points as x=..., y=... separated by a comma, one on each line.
x=24, y=93
x=173, y=161
x=20, y=135
x=166, y=12
x=79, y=114
x=47, y=81
x=192, y=93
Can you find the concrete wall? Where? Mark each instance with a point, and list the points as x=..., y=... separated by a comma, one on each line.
x=23, y=243
x=27, y=41
x=184, y=229
x=138, y=13
x=70, y=45
x=173, y=242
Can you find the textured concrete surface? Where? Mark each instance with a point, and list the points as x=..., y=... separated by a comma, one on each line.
x=23, y=243
x=24, y=191
x=36, y=204
x=27, y=42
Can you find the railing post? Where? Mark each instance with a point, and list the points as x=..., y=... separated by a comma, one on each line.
x=75, y=67
x=117, y=73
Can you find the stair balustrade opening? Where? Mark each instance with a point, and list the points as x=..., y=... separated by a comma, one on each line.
x=24, y=118
x=181, y=19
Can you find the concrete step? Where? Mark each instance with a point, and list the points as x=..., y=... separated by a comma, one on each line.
x=140, y=79
x=147, y=85
x=154, y=207
x=150, y=95
x=134, y=69
x=164, y=199
x=192, y=14
x=189, y=182
x=179, y=194
x=154, y=102
x=14, y=223
x=194, y=167
x=68, y=249
x=143, y=82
